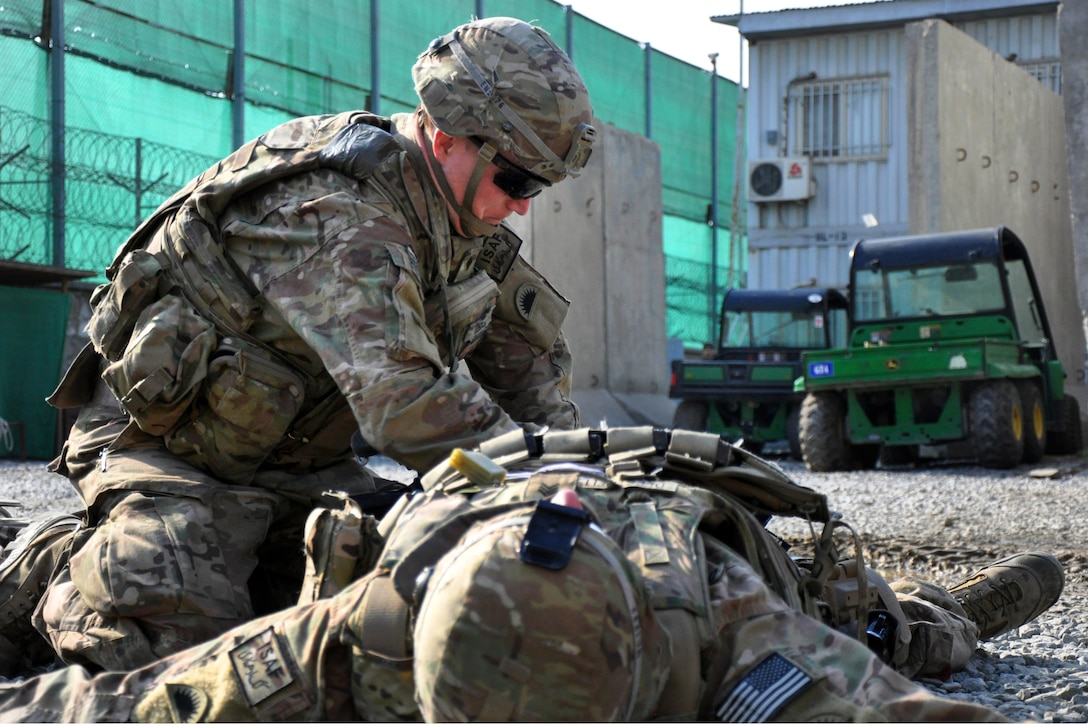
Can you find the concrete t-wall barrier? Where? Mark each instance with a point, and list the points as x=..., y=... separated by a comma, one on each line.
x=987, y=148
x=1072, y=20
x=598, y=239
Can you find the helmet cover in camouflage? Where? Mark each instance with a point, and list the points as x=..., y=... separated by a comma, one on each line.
x=500, y=639
x=507, y=82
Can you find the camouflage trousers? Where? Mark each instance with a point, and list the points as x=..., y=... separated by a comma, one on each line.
x=172, y=557
x=306, y=663
x=846, y=680
x=942, y=637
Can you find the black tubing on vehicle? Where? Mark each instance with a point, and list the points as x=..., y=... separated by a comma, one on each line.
x=755, y=447
x=822, y=432
x=996, y=423
x=1067, y=439
x=864, y=455
x=691, y=415
x=793, y=431
x=1031, y=403
x=898, y=455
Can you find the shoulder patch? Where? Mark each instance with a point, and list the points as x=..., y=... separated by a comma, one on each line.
x=766, y=689
x=187, y=704
x=261, y=667
x=525, y=299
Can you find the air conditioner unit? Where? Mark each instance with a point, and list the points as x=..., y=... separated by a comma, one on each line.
x=779, y=179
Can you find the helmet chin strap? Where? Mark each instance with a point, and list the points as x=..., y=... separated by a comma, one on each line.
x=471, y=224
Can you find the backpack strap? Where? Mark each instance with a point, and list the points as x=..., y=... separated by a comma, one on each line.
x=383, y=621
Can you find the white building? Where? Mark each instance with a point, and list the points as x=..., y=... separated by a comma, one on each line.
x=832, y=155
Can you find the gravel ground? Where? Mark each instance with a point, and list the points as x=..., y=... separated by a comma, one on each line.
x=942, y=523
x=938, y=523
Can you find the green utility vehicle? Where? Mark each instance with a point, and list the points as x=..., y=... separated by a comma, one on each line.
x=949, y=346
x=745, y=391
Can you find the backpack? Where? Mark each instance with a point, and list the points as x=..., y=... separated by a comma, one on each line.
x=669, y=498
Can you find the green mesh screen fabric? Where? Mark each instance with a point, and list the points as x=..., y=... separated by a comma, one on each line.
x=147, y=105
x=33, y=323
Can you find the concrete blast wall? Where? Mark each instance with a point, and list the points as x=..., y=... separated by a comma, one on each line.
x=987, y=148
x=597, y=238
x=1072, y=20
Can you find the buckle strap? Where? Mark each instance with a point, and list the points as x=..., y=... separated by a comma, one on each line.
x=381, y=622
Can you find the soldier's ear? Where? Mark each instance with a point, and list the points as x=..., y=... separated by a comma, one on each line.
x=443, y=145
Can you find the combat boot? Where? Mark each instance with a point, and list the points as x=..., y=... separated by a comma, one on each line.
x=1011, y=592
x=29, y=562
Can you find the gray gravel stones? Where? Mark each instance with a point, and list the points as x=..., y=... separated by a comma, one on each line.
x=941, y=523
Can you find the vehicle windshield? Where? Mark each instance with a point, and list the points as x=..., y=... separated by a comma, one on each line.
x=951, y=289
x=803, y=330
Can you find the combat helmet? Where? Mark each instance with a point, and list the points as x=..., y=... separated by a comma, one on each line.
x=536, y=614
x=506, y=84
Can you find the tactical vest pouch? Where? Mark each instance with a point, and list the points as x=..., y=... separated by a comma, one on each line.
x=246, y=406
x=118, y=304
x=404, y=332
x=163, y=364
x=469, y=305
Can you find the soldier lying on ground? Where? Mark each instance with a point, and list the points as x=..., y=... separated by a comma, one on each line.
x=583, y=575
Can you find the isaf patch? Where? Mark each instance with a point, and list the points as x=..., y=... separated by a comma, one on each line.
x=261, y=667
x=765, y=690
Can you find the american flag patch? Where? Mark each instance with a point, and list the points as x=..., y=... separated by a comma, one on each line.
x=763, y=692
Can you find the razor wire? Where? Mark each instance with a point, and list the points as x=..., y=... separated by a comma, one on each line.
x=111, y=183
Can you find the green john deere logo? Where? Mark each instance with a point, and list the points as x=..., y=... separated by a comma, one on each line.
x=892, y=364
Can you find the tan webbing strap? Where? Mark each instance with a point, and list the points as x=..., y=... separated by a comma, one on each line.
x=630, y=444
x=824, y=565
x=651, y=539
x=384, y=629
x=696, y=451
x=507, y=450
x=572, y=445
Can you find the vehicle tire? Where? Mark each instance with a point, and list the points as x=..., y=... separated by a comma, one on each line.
x=1031, y=402
x=822, y=432
x=691, y=415
x=793, y=431
x=1067, y=440
x=996, y=423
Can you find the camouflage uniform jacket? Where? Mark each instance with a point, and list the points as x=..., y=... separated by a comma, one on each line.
x=310, y=284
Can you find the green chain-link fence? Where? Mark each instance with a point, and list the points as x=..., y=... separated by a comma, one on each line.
x=146, y=94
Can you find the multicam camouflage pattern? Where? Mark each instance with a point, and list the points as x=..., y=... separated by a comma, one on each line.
x=308, y=663
x=943, y=637
x=529, y=76
x=307, y=272
x=29, y=560
x=292, y=665
x=575, y=644
x=655, y=521
x=847, y=682
x=326, y=299
x=158, y=573
x=171, y=559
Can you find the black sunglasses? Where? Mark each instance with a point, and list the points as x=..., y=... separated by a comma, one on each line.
x=515, y=182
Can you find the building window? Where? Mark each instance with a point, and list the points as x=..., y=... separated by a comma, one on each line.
x=842, y=119
x=1047, y=72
